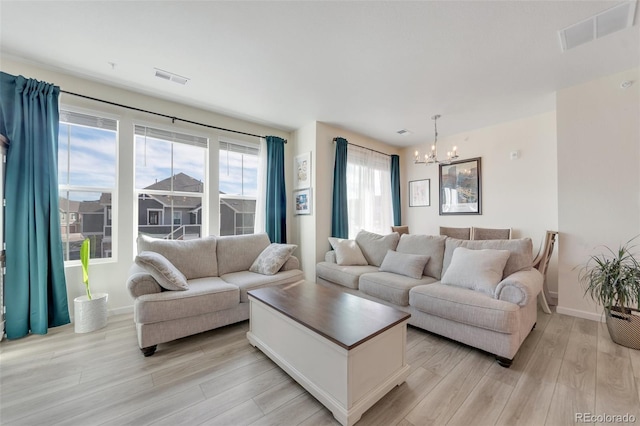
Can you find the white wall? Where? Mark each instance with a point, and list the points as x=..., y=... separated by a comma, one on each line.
x=311, y=232
x=520, y=194
x=303, y=227
x=110, y=276
x=598, y=177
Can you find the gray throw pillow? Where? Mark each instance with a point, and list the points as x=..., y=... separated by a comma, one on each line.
x=521, y=250
x=347, y=252
x=479, y=270
x=272, y=258
x=375, y=246
x=195, y=258
x=425, y=245
x=410, y=265
x=163, y=271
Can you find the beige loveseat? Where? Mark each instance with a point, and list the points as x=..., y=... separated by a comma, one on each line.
x=217, y=275
x=489, y=304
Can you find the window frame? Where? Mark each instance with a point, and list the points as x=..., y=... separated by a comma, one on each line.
x=66, y=188
x=250, y=145
x=145, y=194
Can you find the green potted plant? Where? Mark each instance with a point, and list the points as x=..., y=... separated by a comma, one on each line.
x=612, y=279
x=90, y=312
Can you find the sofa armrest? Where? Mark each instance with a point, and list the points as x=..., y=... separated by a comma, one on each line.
x=291, y=263
x=141, y=282
x=520, y=287
x=330, y=257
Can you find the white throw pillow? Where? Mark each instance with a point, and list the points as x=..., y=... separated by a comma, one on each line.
x=479, y=270
x=272, y=258
x=347, y=252
x=410, y=265
x=163, y=271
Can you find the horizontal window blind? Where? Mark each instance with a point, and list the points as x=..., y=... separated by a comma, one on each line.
x=242, y=149
x=184, y=138
x=87, y=120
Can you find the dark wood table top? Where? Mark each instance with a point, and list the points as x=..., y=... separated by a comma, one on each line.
x=343, y=318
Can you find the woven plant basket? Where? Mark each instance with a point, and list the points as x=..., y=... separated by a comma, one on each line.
x=624, y=327
x=90, y=315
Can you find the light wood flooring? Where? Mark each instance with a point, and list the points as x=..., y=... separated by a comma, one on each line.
x=566, y=366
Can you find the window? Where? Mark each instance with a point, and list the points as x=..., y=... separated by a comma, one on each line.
x=177, y=218
x=87, y=157
x=368, y=191
x=170, y=183
x=238, y=188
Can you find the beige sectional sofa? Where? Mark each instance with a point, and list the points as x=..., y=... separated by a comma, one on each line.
x=210, y=277
x=481, y=293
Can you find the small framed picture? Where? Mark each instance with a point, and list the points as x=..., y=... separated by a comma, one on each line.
x=420, y=193
x=302, y=171
x=302, y=200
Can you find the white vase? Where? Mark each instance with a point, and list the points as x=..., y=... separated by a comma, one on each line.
x=90, y=315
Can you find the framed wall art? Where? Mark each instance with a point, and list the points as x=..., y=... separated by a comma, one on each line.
x=302, y=201
x=302, y=171
x=461, y=187
x=420, y=193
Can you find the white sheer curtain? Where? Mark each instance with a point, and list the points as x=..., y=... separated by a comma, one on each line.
x=261, y=196
x=368, y=191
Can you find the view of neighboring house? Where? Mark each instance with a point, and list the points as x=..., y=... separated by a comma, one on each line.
x=159, y=216
x=171, y=217
x=86, y=219
x=237, y=217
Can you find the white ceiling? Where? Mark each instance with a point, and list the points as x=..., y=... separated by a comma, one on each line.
x=370, y=67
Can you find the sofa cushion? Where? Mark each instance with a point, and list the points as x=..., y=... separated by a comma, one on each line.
x=246, y=280
x=347, y=276
x=427, y=245
x=272, y=258
x=410, y=265
x=479, y=270
x=347, y=252
x=375, y=246
x=390, y=287
x=237, y=252
x=162, y=270
x=520, y=259
x=465, y=306
x=194, y=258
x=204, y=295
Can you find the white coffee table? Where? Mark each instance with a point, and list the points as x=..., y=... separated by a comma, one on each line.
x=348, y=352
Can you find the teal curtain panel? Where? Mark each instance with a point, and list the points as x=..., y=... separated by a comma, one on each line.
x=276, y=202
x=340, y=213
x=395, y=190
x=35, y=286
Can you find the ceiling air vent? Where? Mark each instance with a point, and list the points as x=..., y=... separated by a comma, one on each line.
x=166, y=75
x=403, y=132
x=611, y=20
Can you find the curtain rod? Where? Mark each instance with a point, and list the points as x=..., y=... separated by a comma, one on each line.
x=173, y=119
x=364, y=147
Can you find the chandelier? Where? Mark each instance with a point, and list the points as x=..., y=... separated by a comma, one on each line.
x=432, y=156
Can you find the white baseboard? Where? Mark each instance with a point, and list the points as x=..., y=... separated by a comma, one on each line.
x=580, y=314
x=119, y=311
